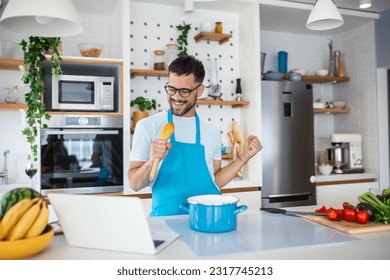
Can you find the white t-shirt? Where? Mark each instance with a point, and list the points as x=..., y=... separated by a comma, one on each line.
x=149, y=129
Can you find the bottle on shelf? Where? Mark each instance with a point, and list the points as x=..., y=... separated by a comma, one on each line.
x=159, y=63
x=171, y=53
x=218, y=27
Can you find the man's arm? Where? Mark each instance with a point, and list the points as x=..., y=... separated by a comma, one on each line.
x=139, y=171
x=224, y=175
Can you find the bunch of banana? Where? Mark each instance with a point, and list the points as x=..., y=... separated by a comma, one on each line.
x=27, y=218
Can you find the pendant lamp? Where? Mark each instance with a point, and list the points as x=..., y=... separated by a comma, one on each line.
x=324, y=16
x=44, y=18
x=364, y=4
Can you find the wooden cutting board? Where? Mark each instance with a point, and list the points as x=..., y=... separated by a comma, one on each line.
x=347, y=227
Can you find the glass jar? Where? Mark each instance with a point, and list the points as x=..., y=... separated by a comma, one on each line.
x=218, y=27
x=159, y=63
x=172, y=51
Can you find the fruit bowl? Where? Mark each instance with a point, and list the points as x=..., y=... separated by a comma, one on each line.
x=90, y=50
x=23, y=248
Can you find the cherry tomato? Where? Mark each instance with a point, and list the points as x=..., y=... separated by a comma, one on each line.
x=345, y=205
x=349, y=214
x=321, y=210
x=362, y=217
x=341, y=213
x=332, y=214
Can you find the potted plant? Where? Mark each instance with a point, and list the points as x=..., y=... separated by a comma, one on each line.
x=34, y=76
x=182, y=39
x=144, y=105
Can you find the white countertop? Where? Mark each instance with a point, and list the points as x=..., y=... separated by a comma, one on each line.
x=258, y=235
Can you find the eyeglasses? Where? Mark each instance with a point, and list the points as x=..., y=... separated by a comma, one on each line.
x=184, y=92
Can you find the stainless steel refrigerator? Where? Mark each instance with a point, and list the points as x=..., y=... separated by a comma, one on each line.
x=288, y=144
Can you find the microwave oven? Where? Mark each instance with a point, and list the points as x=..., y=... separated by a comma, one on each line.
x=82, y=93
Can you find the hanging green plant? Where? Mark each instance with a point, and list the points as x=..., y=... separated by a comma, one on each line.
x=182, y=39
x=34, y=76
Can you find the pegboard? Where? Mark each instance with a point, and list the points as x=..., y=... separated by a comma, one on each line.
x=152, y=28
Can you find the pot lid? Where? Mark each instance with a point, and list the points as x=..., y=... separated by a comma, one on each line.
x=213, y=199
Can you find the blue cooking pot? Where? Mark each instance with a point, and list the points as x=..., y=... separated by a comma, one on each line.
x=213, y=213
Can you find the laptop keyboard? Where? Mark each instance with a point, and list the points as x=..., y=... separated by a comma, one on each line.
x=157, y=242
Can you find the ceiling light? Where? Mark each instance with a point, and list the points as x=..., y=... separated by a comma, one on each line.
x=189, y=5
x=324, y=16
x=44, y=18
x=364, y=4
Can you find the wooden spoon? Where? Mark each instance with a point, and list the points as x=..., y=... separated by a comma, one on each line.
x=165, y=133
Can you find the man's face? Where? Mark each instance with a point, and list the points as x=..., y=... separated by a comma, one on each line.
x=183, y=106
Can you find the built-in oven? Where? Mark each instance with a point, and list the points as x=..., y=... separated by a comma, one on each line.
x=82, y=154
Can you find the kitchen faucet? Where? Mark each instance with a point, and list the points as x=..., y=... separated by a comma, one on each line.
x=4, y=173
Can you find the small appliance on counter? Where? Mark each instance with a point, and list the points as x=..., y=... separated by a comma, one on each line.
x=346, y=153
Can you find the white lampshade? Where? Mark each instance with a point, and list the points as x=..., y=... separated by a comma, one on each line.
x=324, y=16
x=364, y=4
x=45, y=18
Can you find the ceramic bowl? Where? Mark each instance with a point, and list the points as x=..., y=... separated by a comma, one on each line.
x=273, y=76
x=322, y=72
x=339, y=104
x=90, y=50
x=299, y=71
x=23, y=248
x=207, y=27
x=325, y=169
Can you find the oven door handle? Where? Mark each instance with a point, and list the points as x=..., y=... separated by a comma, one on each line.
x=80, y=131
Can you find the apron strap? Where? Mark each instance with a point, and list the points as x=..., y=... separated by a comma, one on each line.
x=197, y=122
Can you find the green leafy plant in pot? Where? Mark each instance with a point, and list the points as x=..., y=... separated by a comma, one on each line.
x=144, y=105
x=34, y=76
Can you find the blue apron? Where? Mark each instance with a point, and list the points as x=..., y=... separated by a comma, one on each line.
x=183, y=173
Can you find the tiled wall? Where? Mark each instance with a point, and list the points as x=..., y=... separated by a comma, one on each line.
x=312, y=53
x=361, y=92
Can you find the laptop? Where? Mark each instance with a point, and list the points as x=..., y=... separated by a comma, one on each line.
x=110, y=223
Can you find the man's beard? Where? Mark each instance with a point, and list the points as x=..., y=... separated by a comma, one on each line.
x=182, y=110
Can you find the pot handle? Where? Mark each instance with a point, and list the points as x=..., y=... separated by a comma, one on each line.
x=185, y=207
x=240, y=209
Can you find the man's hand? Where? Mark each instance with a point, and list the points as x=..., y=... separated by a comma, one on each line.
x=252, y=146
x=159, y=148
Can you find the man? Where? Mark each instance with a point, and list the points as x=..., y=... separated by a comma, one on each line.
x=191, y=159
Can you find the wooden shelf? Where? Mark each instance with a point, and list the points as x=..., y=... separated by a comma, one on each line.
x=145, y=72
x=320, y=79
x=211, y=36
x=12, y=107
x=227, y=156
x=10, y=64
x=233, y=103
x=331, y=110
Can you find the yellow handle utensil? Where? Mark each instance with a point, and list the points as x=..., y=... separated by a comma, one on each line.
x=166, y=132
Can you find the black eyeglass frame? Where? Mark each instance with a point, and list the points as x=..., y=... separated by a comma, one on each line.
x=185, y=95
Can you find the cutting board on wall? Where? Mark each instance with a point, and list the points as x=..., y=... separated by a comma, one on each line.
x=348, y=227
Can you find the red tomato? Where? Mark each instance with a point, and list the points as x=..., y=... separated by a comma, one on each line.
x=321, y=210
x=362, y=217
x=341, y=213
x=349, y=215
x=332, y=214
x=345, y=205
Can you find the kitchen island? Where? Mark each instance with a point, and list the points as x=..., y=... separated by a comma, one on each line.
x=259, y=235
